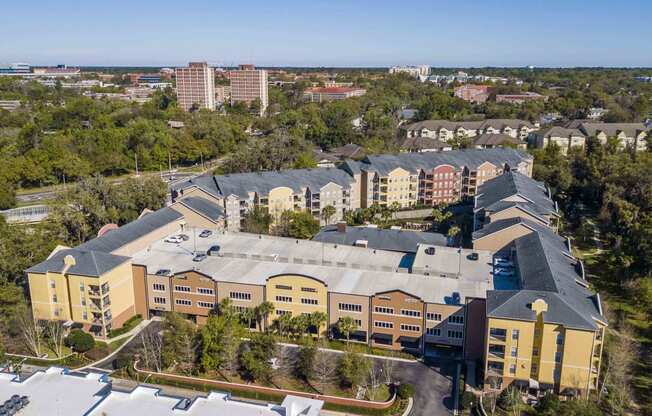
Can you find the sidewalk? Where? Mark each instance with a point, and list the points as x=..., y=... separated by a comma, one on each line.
x=131, y=334
x=379, y=357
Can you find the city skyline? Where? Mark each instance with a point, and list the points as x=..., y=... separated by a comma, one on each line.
x=335, y=34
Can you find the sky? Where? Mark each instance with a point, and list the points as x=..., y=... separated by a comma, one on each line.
x=440, y=33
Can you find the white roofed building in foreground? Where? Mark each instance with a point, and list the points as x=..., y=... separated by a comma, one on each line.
x=59, y=392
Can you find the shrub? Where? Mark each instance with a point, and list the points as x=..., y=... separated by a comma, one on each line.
x=405, y=390
x=468, y=400
x=80, y=341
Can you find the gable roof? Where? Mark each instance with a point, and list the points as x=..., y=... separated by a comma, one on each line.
x=557, y=131
x=547, y=271
x=127, y=233
x=612, y=129
x=420, y=143
x=393, y=240
x=496, y=139
x=87, y=262
x=493, y=193
x=203, y=207
x=499, y=225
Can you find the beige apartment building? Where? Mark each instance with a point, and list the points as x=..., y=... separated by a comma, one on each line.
x=249, y=84
x=195, y=86
x=564, y=138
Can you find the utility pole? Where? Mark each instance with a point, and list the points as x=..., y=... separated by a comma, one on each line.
x=136, y=159
x=169, y=163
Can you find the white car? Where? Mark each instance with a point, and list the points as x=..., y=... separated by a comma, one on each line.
x=173, y=239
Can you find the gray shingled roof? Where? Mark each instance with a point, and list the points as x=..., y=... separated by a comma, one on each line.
x=612, y=129
x=87, y=263
x=497, y=123
x=117, y=238
x=547, y=271
x=493, y=193
x=241, y=184
x=204, y=207
x=557, y=131
x=499, y=225
x=392, y=240
x=496, y=139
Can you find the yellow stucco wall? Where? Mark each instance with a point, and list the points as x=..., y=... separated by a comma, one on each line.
x=297, y=287
x=279, y=200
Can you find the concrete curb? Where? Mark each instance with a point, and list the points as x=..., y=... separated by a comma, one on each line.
x=380, y=357
x=132, y=334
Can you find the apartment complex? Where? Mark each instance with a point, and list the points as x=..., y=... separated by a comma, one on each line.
x=248, y=85
x=195, y=86
x=473, y=93
x=58, y=391
x=576, y=133
x=544, y=326
x=445, y=130
x=407, y=179
x=321, y=94
x=415, y=71
x=518, y=303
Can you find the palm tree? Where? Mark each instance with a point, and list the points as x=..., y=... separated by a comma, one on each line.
x=316, y=319
x=327, y=213
x=283, y=324
x=226, y=307
x=262, y=313
x=346, y=325
x=298, y=325
x=248, y=315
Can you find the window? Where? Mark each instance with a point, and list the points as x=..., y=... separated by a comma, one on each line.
x=456, y=319
x=53, y=284
x=183, y=302
x=558, y=357
x=309, y=289
x=207, y=305
x=433, y=316
x=537, y=332
x=284, y=287
x=433, y=331
x=560, y=338
x=349, y=307
x=498, y=333
x=56, y=312
x=512, y=369
x=383, y=324
x=285, y=299
x=514, y=333
x=205, y=291
x=455, y=334
x=185, y=289
x=81, y=287
x=83, y=301
x=535, y=351
x=410, y=328
x=280, y=312
x=308, y=301
x=534, y=369
x=85, y=316
x=514, y=351
x=384, y=309
x=159, y=287
x=240, y=295
x=411, y=312
x=54, y=298
x=159, y=300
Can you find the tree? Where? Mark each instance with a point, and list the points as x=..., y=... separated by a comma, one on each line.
x=151, y=350
x=303, y=225
x=31, y=331
x=306, y=360
x=257, y=221
x=80, y=341
x=324, y=368
x=453, y=231
x=440, y=216
x=180, y=343
x=262, y=312
x=316, y=320
x=510, y=400
x=346, y=325
x=221, y=338
x=327, y=213
x=283, y=324
x=56, y=336
x=257, y=356
x=353, y=368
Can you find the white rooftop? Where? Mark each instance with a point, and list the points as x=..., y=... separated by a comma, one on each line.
x=345, y=269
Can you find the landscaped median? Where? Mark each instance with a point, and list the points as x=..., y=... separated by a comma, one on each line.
x=392, y=406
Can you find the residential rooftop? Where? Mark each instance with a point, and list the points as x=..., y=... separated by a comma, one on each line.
x=404, y=241
x=252, y=259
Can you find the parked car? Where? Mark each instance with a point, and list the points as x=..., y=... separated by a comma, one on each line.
x=184, y=237
x=173, y=239
x=213, y=250
x=205, y=233
x=199, y=257
x=503, y=262
x=164, y=272
x=503, y=272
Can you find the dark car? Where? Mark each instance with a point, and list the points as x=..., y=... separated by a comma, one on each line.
x=164, y=272
x=184, y=237
x=199, y=257
x=205, y=233
x=213, y=250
